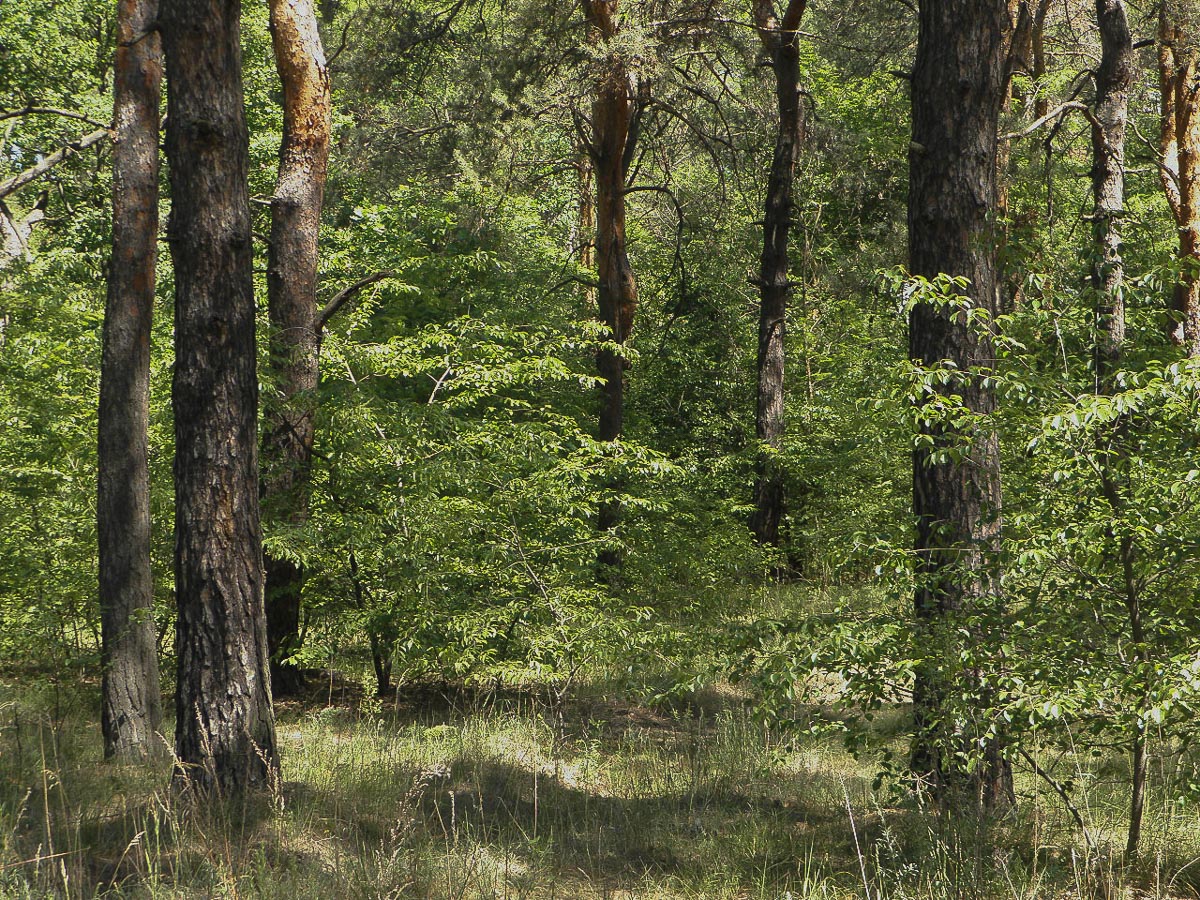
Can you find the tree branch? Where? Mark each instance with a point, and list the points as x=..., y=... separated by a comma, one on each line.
x=347, y=293
x=33, y=173
x=1053, y=114
x=49, y=111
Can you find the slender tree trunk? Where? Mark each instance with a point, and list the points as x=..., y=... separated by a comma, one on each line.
x=131, y=706
x=616, y=295
x=1178, y=55
x=585, y=237
x=1041, y=105
x=292, y=308
x=782, y=44
x=958, y=86
x=1110, y=116
x=225, y=729
x=381, y=644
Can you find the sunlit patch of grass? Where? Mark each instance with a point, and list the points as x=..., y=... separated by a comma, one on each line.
x=502, y=796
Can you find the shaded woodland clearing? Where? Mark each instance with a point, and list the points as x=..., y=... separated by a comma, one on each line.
x=777, y=422
x=448, y=791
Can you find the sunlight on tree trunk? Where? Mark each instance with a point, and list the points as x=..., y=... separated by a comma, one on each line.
x=292, y=309
x=225, y=729
x=130, y=701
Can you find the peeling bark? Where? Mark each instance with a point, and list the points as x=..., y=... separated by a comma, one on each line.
x=292, y=259
x=1179, y=144
x=616, y=294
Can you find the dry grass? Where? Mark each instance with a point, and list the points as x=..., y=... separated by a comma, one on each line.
x=464, y=795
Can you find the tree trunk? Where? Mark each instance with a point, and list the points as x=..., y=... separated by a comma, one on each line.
x=131, y=705
x=1110, y=115
x=616, y=295
x=958, y=86
x=225, y=729
x=1041, y=105
x=585, y=229
x=292, y=258
x=783, y=47
x=381, y=644
x=1178, y=54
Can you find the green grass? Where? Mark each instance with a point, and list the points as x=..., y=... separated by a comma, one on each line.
x=501, y=795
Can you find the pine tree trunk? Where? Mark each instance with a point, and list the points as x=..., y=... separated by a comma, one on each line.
x=225, y=729
x=292, y=308
x=1178, y=57
x=131, y=706
x=616, y=295
x=958, y=85
x=783, y=46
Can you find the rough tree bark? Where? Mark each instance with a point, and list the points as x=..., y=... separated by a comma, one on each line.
x=225, y=729
x=616, y=294
x=958, y=85
x=292, y=258
x=1178, y=56
x=131, y=706
x=782, y=45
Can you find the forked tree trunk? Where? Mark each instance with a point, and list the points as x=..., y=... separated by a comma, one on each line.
x=1178, y=56
x=225, y=730
x=616, y=294
x=958, y=86
x=292, y=258
x=131, y=705
x=782, y=45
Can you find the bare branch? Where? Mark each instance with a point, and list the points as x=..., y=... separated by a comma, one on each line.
x=49, y=111
x=347, y=293
x=1053, y=114
x=33, y=173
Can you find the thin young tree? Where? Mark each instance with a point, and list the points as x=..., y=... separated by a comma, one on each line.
x=292, y=258
x=781, y=42
x=1179, y=144
x=131, y=706
x=958, y=82
x=225, y=729
x=1109, y=119
x=611, y=150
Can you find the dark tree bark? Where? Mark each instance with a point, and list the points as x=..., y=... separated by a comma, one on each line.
x=782, y=45
x=1178, y=58
x=292, y=258
x=958, y=83
x=382, y=641
x=131, y=706
x=1041, y=106
x=225, y=729
x=616, y=295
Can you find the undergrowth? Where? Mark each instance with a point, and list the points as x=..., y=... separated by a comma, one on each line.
x=466, y=795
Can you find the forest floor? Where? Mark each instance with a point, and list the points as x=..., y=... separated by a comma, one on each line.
x=470, y=794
